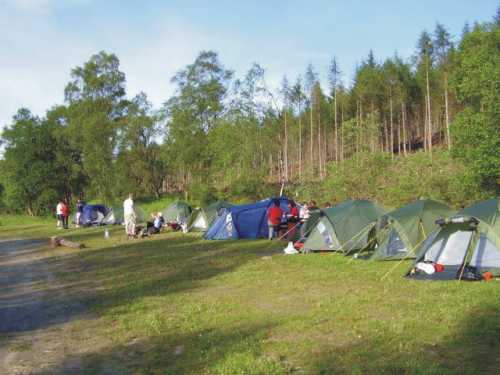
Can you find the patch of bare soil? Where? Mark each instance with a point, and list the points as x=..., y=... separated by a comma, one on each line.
x=44, y=326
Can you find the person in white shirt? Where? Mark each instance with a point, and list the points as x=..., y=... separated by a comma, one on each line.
x=129, y=217
x=59, y=214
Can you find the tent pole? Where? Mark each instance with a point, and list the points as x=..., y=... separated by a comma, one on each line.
x=369, y=242
x=288, y=231
x=403, y=259
x=467, y=255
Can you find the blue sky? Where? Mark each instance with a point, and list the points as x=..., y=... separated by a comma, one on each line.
x=41, y=40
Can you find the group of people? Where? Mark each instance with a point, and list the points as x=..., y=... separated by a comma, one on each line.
x=279, y=221
x=62, y=214
x=280, y=224
x=63, y=211
x=153, y=226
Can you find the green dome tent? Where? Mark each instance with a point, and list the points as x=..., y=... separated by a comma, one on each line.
x=344, y=227
x=400, y=232
x=115, y=215
x=201, y=218
x=466, y=242
x=178, y=212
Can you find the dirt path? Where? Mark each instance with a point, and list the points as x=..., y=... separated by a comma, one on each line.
x=40, y=318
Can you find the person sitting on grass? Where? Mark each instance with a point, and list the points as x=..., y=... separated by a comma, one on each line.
x=155, y=226
x=274, y=215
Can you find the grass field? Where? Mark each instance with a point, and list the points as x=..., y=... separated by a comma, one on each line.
x=177, y=304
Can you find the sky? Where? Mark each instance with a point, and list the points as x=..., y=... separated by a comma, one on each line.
x=42, y=40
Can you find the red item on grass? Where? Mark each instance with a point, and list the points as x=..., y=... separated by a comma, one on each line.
x=487, y=276
x=298, y=245
x=439, y=267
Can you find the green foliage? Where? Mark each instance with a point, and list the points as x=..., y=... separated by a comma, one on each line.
x=140, y=163
x=30, y=172
x=476, y=130
x=228, y=137
x=96, y=105
x=393, y=184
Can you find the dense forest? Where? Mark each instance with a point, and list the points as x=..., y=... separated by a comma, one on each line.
x=429, y=125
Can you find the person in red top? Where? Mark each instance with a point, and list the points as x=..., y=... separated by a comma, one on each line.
x=293, y=219
x=274, y=219
x=65, y=214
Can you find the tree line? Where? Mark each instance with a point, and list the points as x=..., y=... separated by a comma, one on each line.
x=220, y=133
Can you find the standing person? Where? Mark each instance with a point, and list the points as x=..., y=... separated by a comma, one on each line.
x=65, y=214
x=79, y=211
x=59, y=213
x=129, y=216
x=312, y=206
x=293, y=219
x=304, y=217
x=274, y=219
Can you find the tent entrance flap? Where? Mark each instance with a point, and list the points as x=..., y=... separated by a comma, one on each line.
x=395, y=245
x=449, y=249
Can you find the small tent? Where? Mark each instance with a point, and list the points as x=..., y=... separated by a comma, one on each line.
x=178, y=212
x=115, y=216
x=344, y=227
x=466, y=243
x=93, y=214
x=202, y=218
x=400, y=232
x=243, y=221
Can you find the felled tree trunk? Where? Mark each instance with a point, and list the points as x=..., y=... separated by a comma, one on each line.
x=59, y=241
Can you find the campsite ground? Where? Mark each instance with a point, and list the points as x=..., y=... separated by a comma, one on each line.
x=177, y=304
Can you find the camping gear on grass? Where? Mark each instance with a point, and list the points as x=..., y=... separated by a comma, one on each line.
x=344, y=228
x=243, y=221
x=400, y=232
x=467, y=244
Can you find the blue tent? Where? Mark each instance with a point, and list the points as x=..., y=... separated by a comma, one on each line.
x=243, y=221
x=93, y=214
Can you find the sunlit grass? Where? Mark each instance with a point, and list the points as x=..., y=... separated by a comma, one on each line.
x=175, y=303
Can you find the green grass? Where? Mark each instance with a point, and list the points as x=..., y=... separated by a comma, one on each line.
x=178, y=304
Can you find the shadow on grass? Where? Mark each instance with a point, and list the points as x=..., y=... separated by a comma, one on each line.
x=108, y=277
x=473, y=349
x=154, y=267
x=27, y=300
x=226, y=349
